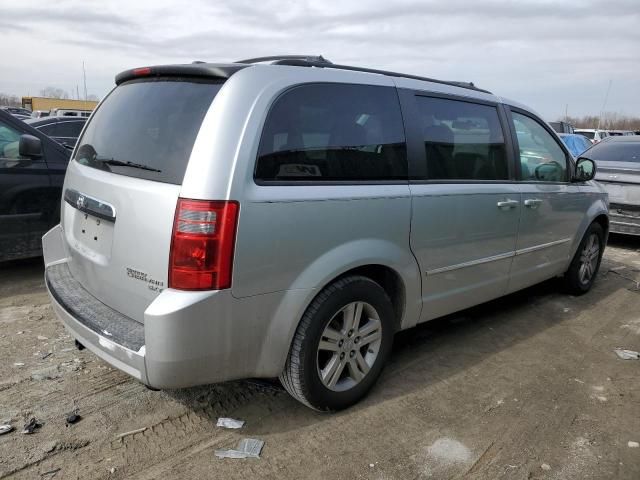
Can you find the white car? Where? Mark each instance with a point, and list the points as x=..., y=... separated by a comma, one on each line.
x=593, y=134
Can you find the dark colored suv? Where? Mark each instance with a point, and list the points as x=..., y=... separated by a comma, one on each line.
x=32, y=168
x=64, y=130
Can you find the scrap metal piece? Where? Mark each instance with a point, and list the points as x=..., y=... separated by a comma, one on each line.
x=247, y=448
x=31, y=426
x=627, y=354
x=6, y=429
x=229, y=423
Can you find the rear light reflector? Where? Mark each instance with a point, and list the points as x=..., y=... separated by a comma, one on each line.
x=204, y=234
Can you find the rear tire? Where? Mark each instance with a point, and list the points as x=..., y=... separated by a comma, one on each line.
x=583, y=269
x=341, y=345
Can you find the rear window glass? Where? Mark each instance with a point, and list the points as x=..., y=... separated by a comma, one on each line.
x=150, y=125
x=612, y=151
x=333, y=132
x=587, y=134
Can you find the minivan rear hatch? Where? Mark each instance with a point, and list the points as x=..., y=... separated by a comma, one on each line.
x=123, y=184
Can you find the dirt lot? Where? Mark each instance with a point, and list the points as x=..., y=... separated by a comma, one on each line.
x=524, y=387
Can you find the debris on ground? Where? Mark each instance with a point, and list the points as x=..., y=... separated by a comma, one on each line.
x=73, y=417
x=49, y=373
x=229, y=423
x=18, y=364
x=631, y=444
x=627, y=354
x=247, y=448
x=31, y=426
x=46, y=355
x=545, y=466
x=42, y=337
x=5, y=429
x=132, y=432
x=50, y=473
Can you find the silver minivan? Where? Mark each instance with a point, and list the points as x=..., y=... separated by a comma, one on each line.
x=286, y=216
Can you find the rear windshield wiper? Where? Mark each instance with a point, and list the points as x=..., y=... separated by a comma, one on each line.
x=119, y=163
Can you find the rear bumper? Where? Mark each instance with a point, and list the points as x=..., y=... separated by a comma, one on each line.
x=117, y=355
x=624, y=219
x=187, y=339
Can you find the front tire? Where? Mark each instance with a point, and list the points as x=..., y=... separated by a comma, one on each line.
x=341, y=345
x=584, y=267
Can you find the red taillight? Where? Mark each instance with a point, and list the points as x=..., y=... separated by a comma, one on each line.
x=204, y=234
x=141, y=72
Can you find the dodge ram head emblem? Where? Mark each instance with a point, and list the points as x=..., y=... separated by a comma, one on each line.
x=80, y=202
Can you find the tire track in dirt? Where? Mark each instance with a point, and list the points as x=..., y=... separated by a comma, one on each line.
x=165, y=439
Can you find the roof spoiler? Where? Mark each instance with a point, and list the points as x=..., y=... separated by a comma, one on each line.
x=202, y=70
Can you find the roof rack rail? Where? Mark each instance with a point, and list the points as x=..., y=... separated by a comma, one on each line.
x=320, y=62
x=278, y=58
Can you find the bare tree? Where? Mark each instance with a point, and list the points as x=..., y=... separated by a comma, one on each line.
x=10, y=100
x=53, y=92
x=609, y=121
x=94, y=98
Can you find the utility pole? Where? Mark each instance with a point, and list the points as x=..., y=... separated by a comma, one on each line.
x=77, y=92
x=604, y=104
x=566, y=113
x=84, y=77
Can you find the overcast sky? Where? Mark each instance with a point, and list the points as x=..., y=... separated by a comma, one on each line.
x=546, y=54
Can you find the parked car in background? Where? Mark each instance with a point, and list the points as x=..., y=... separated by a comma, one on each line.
x=618, y=162
x=562, y=127
x=40, y=113
x=593, y=134
x=576, y=143
x=17, y=111
x=618, y=133
x=64, y=130
x=65, y=112
x=224, y=221
x=32, y=170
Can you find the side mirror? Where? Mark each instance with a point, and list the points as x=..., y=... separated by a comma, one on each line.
x=549, y=172
x=585, y=170
x=29, y=146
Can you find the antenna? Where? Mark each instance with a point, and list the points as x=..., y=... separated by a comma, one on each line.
x=84, y=78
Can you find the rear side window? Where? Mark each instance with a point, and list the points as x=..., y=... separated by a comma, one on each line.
x=50, y=129
x=152, y=123
x=69, y=129
x=333, y=132
x=463, y=140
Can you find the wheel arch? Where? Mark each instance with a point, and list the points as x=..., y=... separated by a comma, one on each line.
x=393, y=268
x=597, y=212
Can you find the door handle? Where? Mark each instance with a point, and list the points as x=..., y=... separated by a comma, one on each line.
x=507, y=204
x=532, y=202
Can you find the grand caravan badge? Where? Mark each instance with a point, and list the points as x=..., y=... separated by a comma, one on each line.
x=152, y=284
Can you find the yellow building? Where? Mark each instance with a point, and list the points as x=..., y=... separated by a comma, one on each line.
x=46, y=104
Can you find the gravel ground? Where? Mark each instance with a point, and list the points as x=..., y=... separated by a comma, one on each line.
x=524, y=387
